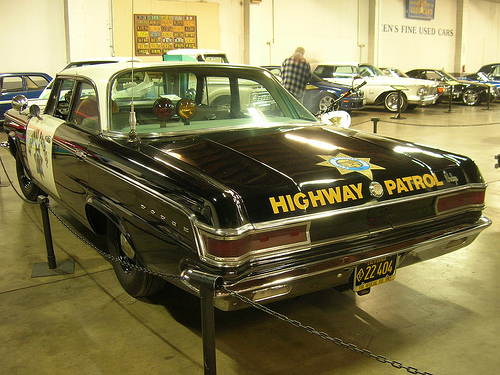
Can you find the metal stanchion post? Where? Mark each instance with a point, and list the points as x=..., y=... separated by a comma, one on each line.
x=51, y=258
x=375, y=122
x=40, y=269
x=398, y=115
x=207, y=284
x=488, y=100
x=450, y=100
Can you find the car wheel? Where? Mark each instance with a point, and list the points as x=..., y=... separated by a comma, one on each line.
x=391, y=102
x=471, y=97
x=324, y=101
x=135, y=282
x=30, y=190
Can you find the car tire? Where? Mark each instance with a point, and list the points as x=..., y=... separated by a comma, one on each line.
x=324, y=101
x=28, y=187
x=135, y=282
x=471, y=97
x=391, y=102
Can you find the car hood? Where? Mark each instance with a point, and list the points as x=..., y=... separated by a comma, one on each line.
x=263, y=174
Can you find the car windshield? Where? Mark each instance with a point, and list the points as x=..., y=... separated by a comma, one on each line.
x=366, y=70
x=179, y=99
x=446, y=76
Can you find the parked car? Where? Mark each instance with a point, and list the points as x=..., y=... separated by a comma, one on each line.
x=492, y=70
x=381, y=89
x=193, y=54
x=256, y=192
x=482, y=78
x=468, y=92
x=28, y=84
x=393, y=72
x=320, y=94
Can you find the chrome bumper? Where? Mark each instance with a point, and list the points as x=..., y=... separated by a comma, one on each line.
x=334, y=272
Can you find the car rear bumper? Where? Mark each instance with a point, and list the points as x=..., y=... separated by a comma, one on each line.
x=311, y=277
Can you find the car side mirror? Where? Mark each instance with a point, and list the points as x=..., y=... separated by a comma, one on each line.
x=19, y=103
x=35, y=111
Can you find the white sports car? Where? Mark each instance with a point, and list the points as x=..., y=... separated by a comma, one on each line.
x=381, y=89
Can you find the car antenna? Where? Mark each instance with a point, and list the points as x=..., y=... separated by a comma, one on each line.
x=132, y=120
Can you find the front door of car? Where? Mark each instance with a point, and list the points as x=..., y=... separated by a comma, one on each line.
x=77, y=108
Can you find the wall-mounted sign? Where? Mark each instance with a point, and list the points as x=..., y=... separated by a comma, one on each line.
x=420, y=9
x=156, y=34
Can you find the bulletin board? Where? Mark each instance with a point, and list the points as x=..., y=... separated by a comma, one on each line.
x=155, y=34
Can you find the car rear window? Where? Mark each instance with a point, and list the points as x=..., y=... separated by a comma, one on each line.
x=216, y=100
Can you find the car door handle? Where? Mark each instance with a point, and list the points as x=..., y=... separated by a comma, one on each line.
x=80, y=155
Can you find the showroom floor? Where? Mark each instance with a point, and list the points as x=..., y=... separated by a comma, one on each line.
x=440, y=316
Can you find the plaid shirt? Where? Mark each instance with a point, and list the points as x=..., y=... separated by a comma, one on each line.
x=295, y=75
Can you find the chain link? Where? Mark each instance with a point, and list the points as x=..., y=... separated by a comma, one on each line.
x=112, y=257
x=337, y=341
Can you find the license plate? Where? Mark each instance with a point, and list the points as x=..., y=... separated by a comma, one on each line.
x=374, y=272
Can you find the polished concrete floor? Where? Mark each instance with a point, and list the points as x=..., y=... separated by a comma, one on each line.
x=440, y=317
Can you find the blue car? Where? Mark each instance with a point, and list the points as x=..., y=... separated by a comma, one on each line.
x=483, y=78
x=28, y=84
x=321, y=93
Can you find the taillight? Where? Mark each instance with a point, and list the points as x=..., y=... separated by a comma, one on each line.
x=238, y=246
x=460, y=201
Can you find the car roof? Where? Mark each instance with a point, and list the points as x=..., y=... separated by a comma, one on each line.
x=24, y=74
x=194, y=51
x=344, y=63
x=100, y=60
x=103, y=72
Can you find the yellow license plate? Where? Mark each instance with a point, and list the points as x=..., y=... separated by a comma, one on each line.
x=374, y=272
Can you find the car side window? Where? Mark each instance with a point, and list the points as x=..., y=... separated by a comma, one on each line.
x=60, y=97
x=85, y=113
x=496, y=71
x=12, y=84
x=344, y=71
x=324, y=71
x=35, y=82
x=432, y=76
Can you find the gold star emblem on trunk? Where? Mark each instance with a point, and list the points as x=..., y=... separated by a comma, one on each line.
x=347, y=164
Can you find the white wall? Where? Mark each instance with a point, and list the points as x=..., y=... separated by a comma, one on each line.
x=327, y=29
x=90, y=31
x=482, y=34
x=409, y=43
x=35, y=36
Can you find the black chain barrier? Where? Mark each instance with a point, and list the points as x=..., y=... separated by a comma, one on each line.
x=337, y=341
x=295, y=323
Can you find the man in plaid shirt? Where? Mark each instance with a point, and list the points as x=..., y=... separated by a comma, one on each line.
x=295, y=73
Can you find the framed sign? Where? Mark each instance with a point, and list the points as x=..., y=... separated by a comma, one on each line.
x=156, y=34
x=420, y=9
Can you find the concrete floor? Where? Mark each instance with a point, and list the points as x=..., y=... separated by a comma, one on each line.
x=440, y=316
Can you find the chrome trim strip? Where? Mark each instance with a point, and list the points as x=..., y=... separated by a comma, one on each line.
x=316, y=216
